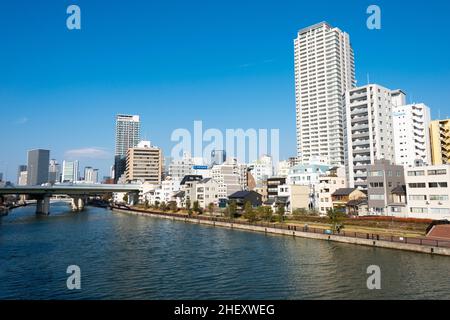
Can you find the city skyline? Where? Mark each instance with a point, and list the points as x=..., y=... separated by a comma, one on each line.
x=251, y=82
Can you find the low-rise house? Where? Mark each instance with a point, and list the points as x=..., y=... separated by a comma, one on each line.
x=242, y=197
x=343, y=196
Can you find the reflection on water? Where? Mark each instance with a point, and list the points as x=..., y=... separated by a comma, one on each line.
x=130, y=257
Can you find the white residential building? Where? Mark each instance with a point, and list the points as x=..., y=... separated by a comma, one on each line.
x=262, y=169
x=283, y=168
x=369, y=132
x=205, y=192
x=428, y=192
x=412, y=134
x=324, y=70
x=187, y=165
x=163, y=193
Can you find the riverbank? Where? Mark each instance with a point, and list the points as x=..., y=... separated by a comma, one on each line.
x=419, y=245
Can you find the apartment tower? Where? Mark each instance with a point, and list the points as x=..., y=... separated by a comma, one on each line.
x=324, y=71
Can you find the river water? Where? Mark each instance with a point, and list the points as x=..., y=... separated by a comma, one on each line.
x=123, y=256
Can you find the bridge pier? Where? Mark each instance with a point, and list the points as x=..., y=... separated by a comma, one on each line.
x=78, y=204
x=43, y=206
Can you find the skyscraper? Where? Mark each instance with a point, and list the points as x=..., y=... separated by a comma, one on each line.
x=128, y=135
x=70, y=171
x=54, y=171
x=38, y=162
x=22, y=168
x=90, y=175
x=324, y=70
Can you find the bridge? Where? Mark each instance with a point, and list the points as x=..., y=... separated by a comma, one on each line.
x=78, y=193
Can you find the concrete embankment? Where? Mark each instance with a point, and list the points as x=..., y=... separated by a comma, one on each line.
x=300, y=234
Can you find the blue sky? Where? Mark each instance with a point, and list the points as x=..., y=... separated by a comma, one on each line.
x=227, y=63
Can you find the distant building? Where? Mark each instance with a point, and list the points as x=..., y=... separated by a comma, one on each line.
x=411, y=134
x=37, y=168
x=23, y=178
x=262, y=169
x=1, y=176
x=440, y=141
x=144, y=164
x=218, y=157
x=90, y=175
x=54, y=172
x=128, y=135
x=21, y=168
x=345, y=198
x=231, y=177
x=242, y=197
x=70, y=172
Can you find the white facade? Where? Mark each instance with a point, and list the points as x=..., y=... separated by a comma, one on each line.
x=90, y=175
x=179, y=168
x=163, y=193
x=412, y=134
x=128, y=133
x=428, y=192
x=283, y=168
x=369, y=132
x=262, y=169
x=205, y=192
x=70, y=172
x=324, y=70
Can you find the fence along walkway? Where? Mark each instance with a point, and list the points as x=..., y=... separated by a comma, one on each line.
x=422, y=241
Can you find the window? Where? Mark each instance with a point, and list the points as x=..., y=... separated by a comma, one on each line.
x=376, y=173
x=437, y=184
x=376, y=184
x=416, y=173
x=417, y=185
x=437, y=172
x=418, y=197
x=376, y=197
x=440, y=210
x=418, y=210
x=439, y=197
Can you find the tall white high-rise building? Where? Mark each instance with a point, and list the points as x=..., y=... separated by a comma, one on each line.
x=128, y=135
x=324, y=70
x=412, y=134
x=90, y=175
x=70, y=171
x=369, y=132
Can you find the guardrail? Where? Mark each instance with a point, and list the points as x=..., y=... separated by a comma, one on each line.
x=359, y=235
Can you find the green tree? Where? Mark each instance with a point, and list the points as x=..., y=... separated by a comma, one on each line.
x=188, y=207
x=196, y=207
x=268, y=214
x=156, y=205
x=232, y=209
x=211, y=208
x=281, y=211
x=163, y=206
x=173, y=206
x=336, y=219
x=146, y=206
x=249, y=213
x=125, y=198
